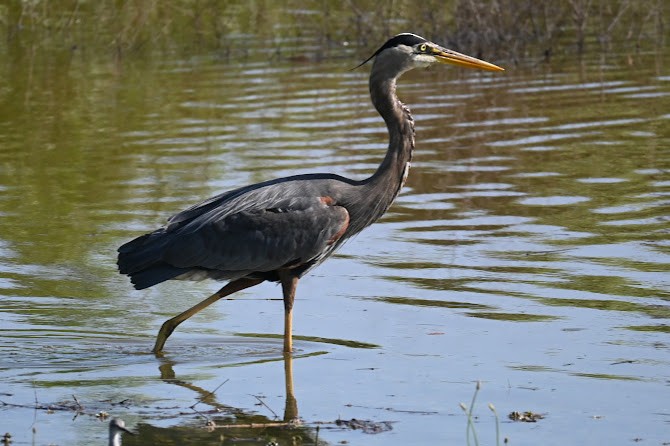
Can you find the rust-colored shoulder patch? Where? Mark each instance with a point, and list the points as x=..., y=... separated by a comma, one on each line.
x=328, y=201
x=343, y=228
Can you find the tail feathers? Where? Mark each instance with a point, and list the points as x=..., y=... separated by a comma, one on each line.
x=141, y=260
x=142, y=252
x=155, y=274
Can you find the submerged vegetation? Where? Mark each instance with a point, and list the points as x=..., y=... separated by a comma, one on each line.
x=512, y=29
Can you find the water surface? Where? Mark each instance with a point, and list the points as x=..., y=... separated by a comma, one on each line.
x=529, y=250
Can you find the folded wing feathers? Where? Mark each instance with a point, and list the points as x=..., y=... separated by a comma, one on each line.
x=239, y=231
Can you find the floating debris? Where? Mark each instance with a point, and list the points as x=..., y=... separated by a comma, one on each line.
x=526, y=417
x=368, y=427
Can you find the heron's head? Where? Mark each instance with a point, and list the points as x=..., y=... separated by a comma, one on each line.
x=407, y=51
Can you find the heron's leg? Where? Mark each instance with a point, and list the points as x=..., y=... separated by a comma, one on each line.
x=169, y=325
x=289, y=283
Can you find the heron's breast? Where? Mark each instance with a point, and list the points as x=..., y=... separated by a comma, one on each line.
x=405, y=174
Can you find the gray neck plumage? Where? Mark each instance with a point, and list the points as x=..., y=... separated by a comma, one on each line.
x=384, y=185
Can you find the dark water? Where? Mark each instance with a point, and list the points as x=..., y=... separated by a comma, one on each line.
x=529, y=250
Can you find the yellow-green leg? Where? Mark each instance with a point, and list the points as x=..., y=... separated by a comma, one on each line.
x=289, y=283
x=169, y=325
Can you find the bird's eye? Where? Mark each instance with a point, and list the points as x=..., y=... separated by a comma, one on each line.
x=423, y=47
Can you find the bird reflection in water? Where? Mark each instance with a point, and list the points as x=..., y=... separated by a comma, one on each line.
x=222, y=416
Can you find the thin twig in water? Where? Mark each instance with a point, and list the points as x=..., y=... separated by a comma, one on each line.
x=255, y=425
x=200, y=401
x=200, y=413
x=265, y=405
x=35, y=411
x=81, y=408
x=209, y=394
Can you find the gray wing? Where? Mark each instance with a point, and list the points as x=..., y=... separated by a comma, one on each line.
x=286, y=233
x=265, y=193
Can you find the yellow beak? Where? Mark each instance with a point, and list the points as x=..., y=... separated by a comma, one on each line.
x=444, y=55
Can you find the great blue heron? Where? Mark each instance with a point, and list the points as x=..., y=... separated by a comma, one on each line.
x=280, y=229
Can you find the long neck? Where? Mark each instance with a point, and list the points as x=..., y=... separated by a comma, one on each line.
x=384, y=185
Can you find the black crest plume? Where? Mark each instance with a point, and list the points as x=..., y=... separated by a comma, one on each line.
x=407, y=39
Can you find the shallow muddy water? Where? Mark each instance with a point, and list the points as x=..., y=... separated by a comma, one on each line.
x=529, y=250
